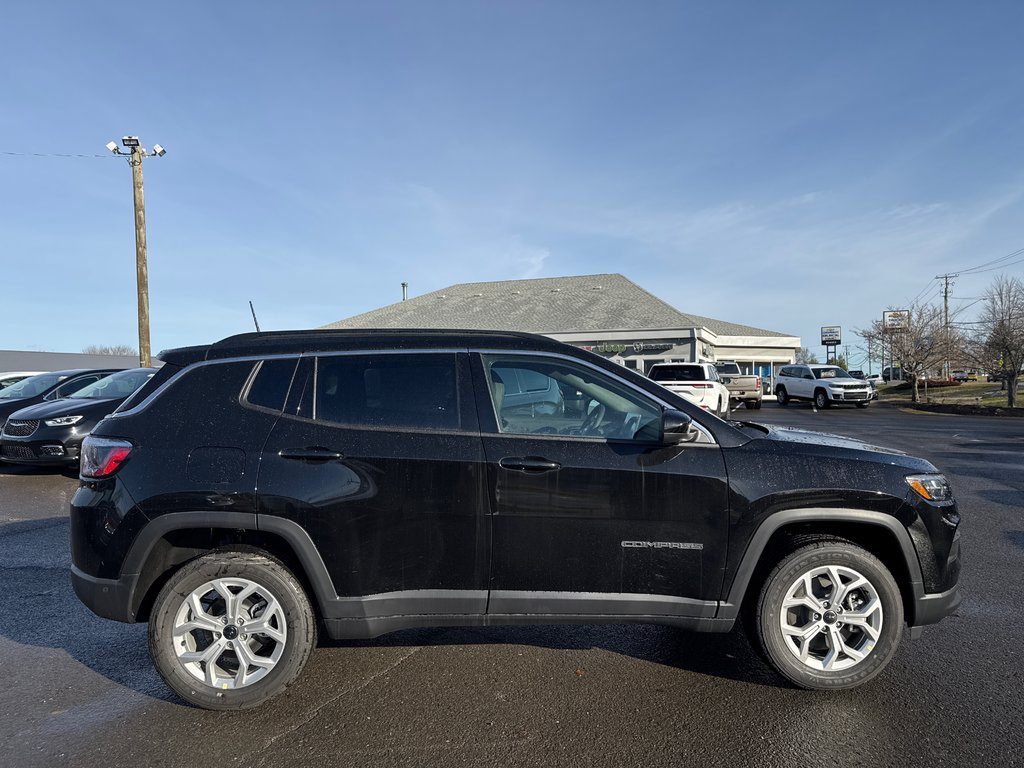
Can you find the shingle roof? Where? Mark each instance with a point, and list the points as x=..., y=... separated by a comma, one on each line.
x=581, y=303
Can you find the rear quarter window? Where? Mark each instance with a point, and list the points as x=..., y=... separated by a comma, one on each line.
x=270, y=382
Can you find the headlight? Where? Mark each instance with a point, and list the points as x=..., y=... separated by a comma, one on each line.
x=930, y=487
x=63, y=421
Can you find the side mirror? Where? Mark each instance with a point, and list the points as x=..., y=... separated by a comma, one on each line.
x=676, y=427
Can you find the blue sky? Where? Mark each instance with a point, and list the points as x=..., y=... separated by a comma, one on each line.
x=786, y=165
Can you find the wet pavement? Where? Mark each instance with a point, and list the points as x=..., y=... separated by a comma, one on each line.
x=78, y=690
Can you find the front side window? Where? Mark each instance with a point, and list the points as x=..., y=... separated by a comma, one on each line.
x=564, y=398
x=416, y=391
x=71, y=387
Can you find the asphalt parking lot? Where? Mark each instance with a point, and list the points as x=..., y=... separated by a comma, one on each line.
x=81, y=691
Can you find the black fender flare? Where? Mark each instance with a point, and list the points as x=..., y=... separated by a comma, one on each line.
x=730, y=608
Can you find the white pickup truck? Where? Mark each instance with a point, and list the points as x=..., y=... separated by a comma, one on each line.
x=697, y=382
x=743, y=387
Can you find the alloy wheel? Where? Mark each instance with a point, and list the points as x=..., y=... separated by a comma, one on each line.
x=229, y=633
x=831, y=618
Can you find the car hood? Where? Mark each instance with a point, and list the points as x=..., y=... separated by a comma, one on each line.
x=808, y=437
x=69, y=406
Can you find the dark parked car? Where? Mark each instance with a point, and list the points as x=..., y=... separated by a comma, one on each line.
x=52, y=432
x=270, y=486
x=46, y=387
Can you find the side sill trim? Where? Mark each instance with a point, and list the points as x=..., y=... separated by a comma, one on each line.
x=365, y=629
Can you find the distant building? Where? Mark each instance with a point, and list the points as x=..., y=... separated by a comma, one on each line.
x=17, y=360
x=607, y=314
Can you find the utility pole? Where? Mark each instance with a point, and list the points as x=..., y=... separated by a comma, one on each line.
x=945, y=319
x=135, y=155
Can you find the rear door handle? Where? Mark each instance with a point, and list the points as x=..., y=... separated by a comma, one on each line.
x=310, y=454
x=531, y=464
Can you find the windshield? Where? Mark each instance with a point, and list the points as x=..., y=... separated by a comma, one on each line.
x=120, y=384
x=730, y=369
x=831, y=372
x=30, y=387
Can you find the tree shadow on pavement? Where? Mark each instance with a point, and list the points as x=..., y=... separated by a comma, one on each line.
x=43, y=610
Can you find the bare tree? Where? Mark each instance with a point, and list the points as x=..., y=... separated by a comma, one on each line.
x=804, y=356
x=1000, y=342
x=917, y=348
x=116, y=349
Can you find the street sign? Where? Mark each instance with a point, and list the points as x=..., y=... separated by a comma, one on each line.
x=896, y=320
x=831, y=335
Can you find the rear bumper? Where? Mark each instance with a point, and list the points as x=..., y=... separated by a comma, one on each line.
x=109, y=598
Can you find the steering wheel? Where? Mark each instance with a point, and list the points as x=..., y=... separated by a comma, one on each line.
x=593, y=419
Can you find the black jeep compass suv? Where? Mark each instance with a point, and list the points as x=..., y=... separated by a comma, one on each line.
x=270, y=486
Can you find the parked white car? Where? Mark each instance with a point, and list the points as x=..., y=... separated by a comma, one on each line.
x=824, y=385
x=697, y=382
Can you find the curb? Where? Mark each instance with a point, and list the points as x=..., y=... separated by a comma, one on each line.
x=956, y=409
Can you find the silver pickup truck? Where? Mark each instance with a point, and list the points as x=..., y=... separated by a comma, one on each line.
x=745, y=388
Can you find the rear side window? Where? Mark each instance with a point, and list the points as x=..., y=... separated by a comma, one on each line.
x=417, y=391
x=270, y=385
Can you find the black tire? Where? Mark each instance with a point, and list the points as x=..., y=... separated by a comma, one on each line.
x=752, y=404
x=759, y=403
x=272, y=578
x=781, y=396
x=821, y=400
x=778, y=649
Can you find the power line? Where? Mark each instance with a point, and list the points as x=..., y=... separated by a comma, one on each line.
x=52, y=154
x=982, y=267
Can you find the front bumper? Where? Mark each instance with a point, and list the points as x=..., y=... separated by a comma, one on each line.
x=930, y=608
x=850, y=396
x=38, y=452
x=46, y=446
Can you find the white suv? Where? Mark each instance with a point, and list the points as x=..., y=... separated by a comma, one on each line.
x=697, y=382
x=822, y=384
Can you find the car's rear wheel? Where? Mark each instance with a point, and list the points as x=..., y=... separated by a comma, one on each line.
x=229, y=630
x=781, y=396
x=821, y=399
x=829, y=616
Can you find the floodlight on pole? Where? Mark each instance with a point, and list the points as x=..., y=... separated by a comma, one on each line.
x=135, y=155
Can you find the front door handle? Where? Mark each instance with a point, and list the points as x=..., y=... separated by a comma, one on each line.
x=531, y=464
x=310, y=454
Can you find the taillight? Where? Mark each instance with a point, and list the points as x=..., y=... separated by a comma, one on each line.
x=757, y=382
x=101, y=456
x=701, y=386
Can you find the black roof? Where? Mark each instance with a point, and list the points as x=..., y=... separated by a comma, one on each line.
x=328, y=340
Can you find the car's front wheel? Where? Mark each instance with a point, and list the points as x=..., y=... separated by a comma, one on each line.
x=829, y=616
x=229, y=630
x=821, y=399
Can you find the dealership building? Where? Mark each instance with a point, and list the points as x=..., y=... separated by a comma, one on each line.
x=607, y=314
